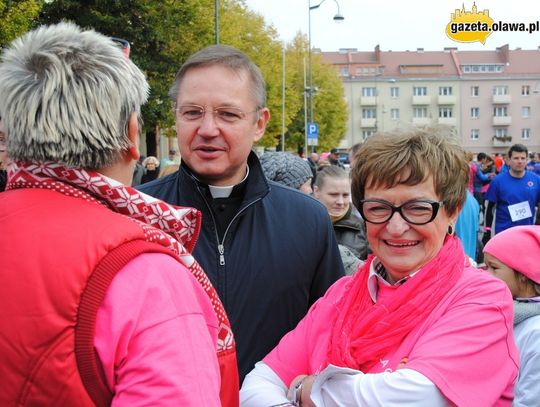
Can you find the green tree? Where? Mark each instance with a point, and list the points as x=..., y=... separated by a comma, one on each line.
x=17, y=17
x=330, y=108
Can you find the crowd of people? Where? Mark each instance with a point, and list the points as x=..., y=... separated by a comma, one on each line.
x=222, y=282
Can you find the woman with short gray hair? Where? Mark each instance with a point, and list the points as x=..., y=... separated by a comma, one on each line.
x=101, y=301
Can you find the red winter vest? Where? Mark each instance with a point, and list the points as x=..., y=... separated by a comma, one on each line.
x=59, y=255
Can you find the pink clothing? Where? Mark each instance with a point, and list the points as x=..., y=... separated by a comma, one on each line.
x=466, y=343
x=156, y=334
x=473, y=169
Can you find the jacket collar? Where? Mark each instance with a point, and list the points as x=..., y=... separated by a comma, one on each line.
x=254, y=187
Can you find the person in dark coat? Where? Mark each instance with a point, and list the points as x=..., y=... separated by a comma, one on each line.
x=269, y=250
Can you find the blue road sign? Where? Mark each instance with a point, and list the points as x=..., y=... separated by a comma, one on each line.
x=313, y=130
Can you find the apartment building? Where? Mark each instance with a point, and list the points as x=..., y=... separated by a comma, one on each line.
x=492, y=98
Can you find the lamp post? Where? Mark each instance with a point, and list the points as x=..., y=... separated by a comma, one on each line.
x=216, y=20
x=283, y=77
x=338, y=18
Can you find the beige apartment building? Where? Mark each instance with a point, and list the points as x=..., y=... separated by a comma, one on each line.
x=492, y=98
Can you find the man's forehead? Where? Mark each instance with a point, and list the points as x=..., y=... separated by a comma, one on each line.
x=519, y=154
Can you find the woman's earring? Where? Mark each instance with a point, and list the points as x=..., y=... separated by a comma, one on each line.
x=450, y=229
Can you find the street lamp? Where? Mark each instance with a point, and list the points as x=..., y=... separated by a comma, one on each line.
x=338, y=18
x=216, y=21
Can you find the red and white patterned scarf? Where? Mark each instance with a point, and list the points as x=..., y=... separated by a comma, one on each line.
x=174, y=227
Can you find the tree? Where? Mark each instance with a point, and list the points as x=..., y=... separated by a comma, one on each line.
x=17, y=17
x=330, y=108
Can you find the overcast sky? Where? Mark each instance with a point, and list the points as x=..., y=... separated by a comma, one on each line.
x=396, y=25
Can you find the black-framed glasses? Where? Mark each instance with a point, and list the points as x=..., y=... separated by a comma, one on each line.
x=417, y=212
x=224, y=114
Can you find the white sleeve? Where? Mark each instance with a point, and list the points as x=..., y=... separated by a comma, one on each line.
x=262, y=387
x=343, y=387
x=527, y=390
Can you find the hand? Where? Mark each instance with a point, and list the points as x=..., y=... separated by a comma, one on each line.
x=305, y=391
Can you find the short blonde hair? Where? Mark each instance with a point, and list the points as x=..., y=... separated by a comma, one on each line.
x=410, y=157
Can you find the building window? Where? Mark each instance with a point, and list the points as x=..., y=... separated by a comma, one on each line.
x=369, y=113
x=475, y=134
x=344, y=71
x=500, y=111
x=419, y=91
x=367, y=92
x=501, y=133
x=367, y=134
x=445, y=112
x=475, y=91
x=525, y=90
x=394, y=92
x=491, y=68
x=445, y=91
x=394, y=114
x=475, y=112
x=420, y=112
x=525, y=134
x=525, y=112
x=500, y=90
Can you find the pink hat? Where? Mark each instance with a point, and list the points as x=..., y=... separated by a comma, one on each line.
x=518, y=248
x=324, y=156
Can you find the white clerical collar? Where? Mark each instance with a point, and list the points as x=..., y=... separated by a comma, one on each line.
x=225, y=192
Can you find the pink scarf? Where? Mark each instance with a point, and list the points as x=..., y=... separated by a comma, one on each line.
x=364, y=332
x=174, y=227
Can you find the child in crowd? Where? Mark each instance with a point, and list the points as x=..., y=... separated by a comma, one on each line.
x=512, y=256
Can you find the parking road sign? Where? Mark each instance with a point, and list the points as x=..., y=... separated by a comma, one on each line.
x=312, y=134
x=313, y=130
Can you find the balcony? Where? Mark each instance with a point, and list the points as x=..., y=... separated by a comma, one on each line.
x=446, y=100
x=421, y=121
x=368, y=123
x=368, y=100
x=421, y=100
x=501, y=99
x=503, y=141
x=502, y=120
x=449, y=121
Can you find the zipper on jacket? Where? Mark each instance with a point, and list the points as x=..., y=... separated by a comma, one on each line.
x=221, y=251
x=221, y=245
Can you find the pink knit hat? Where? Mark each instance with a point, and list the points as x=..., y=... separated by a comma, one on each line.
x=518, y=248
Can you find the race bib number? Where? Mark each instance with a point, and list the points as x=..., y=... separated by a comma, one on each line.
x=520, y=211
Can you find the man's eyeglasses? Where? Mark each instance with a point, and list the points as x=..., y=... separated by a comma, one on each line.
x=417, y=212
x=226, y=114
